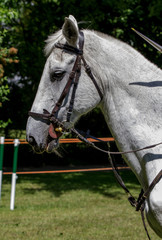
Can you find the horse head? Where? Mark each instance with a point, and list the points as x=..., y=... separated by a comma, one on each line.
x=64, y=90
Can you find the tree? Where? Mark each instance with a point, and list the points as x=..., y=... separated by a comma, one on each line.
x=7, y=56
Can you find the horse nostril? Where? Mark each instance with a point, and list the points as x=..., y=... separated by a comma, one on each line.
x=31, y=141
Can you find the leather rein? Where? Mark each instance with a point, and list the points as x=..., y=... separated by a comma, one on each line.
x=57, y=126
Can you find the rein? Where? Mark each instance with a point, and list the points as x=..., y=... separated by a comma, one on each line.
x=57, y=126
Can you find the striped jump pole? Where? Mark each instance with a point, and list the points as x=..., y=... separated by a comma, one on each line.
x=1, y=161
x=14, y=176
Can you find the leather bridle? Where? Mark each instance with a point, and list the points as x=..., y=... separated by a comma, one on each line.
x=57, y=126
x=73, y=80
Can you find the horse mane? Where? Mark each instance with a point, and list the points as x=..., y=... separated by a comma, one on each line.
x=51, y=41
x=58, y=36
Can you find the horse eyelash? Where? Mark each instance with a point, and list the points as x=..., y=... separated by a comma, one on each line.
x=57, y=76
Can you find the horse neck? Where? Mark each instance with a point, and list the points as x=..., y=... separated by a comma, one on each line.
x=131, y=100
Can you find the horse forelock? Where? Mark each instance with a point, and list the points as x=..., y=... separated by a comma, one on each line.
x=51, y=41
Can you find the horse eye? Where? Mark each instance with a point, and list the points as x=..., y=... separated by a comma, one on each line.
x=57, y=75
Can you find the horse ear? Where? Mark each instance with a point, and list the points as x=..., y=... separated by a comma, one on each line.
x=70, y=30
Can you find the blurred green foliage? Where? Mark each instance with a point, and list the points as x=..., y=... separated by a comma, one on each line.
x=7, y=55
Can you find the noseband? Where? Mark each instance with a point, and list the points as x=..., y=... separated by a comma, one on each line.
x=55, y=125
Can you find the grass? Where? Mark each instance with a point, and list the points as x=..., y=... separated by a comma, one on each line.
x=72, y=206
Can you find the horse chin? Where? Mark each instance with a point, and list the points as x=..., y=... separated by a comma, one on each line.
x=52, y=145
